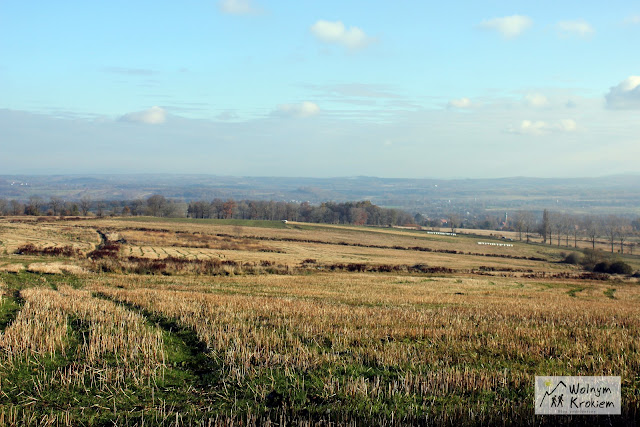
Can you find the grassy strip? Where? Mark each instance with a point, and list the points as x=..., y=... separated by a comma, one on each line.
x=26, y=279
x=9, y=308
x=574, y=290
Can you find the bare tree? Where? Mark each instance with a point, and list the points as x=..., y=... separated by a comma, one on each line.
x=85, y=205
x=17, y=208
x=453, y=220
x=4, y=207
x=100, y=206
x=137, y=207
x=56, y=204
x=592, y=227
x=229, y=208
x=555, y=225
x=576, y=228
x=545, y=227
x=624, y=229
x=217, y=208
x=115, y=208
x=34, y=206
x=529, y=223
x=611, y=228
x=520, y=223
x=72, y=209
x=567, y=226
x=156, y=205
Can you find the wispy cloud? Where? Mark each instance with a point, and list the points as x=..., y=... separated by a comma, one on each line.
x=153, y=116
x=632, y=20
x=337, y=33
x=129, y=71
x=536, y=100
x=302, y=110
x=578, y=28
x=356, y=90
x=460, y=103
x=237, y=7
x=509, y=26
x=529, y=127
x=626, y=95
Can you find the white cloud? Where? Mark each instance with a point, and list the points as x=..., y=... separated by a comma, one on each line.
x=626, y=95
x=568, y=125
x=336, y=32
x=460, y=103
x=578, y=27
x=535, y=128
x=509, y=26
x=528, y=127
x=237, y=7
x=302, y=110
x=153, y=116
x=536, y=100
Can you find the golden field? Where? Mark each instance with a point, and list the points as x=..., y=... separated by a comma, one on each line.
x=207, y=322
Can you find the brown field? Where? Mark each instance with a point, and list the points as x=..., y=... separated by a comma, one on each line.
x=198, y=322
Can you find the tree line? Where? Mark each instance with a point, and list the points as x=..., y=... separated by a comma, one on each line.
x=567, y=228
x=564, y=229
x=557, y=228
x=358, y=213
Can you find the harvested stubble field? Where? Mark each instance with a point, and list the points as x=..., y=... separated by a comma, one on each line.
x=284, y=336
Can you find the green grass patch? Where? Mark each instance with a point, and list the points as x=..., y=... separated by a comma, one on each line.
x=25, y=279
x=609, y=293
x=574, y=290
x=9, y=308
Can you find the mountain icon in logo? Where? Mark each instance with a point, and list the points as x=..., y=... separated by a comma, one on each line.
x=555, y=400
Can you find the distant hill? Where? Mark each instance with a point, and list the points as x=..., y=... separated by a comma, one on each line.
x=618, y=194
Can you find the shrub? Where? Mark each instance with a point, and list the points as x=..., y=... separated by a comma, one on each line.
x=591, y=258
x=572, y=258
x=66, y=251
x=620, y=267
x=617, y=267
x=601, y=267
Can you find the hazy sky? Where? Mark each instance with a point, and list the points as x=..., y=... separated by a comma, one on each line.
x=320, y=88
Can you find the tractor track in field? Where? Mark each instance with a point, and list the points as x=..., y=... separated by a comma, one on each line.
x=205, y=370
x=8, y=315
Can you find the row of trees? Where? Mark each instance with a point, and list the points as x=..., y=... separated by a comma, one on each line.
x=571, y=229
x=552, y=227
x=359, y=213
x=153, y=206
x=556, y=228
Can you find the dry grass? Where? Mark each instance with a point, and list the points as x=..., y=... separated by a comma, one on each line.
x=425, y=338
x=12, y=268
x=366, y=346
x=41, y=329
x=326, y=244
x=55, y=268
x=46, y=234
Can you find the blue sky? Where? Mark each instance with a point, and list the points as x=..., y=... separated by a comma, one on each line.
x=310, y=88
